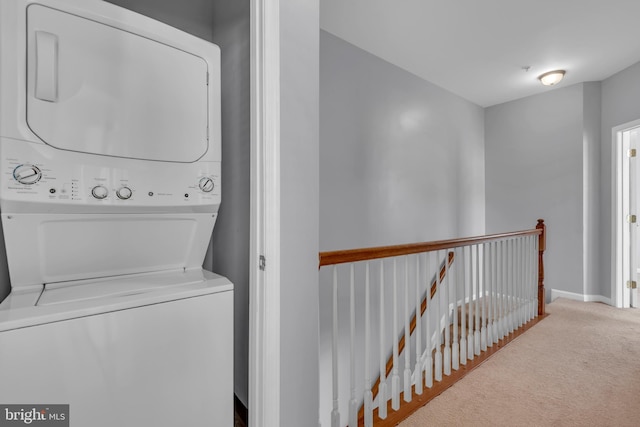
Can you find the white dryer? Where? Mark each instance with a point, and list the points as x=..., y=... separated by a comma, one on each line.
x=109, y=190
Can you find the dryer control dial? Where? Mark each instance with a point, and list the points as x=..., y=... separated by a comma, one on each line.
x=27, y=174
x=206, y=184
x=124, y=193
x=99, y=192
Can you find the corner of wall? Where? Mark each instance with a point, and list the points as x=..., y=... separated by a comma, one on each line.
x=591, y=115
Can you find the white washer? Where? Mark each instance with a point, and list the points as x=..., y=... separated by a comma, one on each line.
x=109, y=191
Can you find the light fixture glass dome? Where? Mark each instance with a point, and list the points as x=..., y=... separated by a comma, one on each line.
x=551, y=78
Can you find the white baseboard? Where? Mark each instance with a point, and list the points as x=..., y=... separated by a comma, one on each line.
x=555, y=293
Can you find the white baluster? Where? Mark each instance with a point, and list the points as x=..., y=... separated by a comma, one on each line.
x=490, y=290
x=527, y=277
x=496, y=300
x=489, y=266
x=419, y=361
x=447, y=318
x=368, y=395
x=455, y=349
x=382, y=387
x=512, y=281
x=463, y=320
x=521, y=284
x=533, y=285
x=476, y=334
x=536, y=246
x=503, y=286
x=335, y=413
x=353, y=403
x=525, y=280
x=428, y=364
x=525, y=274
x=517, y=283
x=526, y=287
x=395, y=377
x=507, y=284
x=484, y=279
x=507, y=288
x=407, y=335
x=470, y=346
x=437, y=369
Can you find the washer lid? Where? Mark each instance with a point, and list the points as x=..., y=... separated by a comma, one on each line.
x=18, y=310
x=118, y=286
x=96, y=88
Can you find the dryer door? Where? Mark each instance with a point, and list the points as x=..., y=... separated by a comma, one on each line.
x=97, y=89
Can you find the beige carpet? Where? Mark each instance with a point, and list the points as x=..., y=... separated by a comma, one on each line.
x=578, y=367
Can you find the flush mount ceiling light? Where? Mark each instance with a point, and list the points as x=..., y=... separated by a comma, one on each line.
x=551, y=78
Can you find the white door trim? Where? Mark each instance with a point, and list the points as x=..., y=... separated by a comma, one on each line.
x=617, y=214
x=264, y=286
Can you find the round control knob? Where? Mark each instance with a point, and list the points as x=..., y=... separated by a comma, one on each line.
x=124, y=193
x=27, y=174
x=99, y=192
x=206, y=184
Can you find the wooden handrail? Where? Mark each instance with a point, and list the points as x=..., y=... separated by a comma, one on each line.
x=365, y=254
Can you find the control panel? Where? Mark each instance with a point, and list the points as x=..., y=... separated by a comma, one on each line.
x=85, y=179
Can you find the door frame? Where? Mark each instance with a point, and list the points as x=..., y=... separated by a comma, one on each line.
x=618, y=224
x=264, y=279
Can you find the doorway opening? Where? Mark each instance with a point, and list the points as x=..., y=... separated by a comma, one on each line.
x=626, y=215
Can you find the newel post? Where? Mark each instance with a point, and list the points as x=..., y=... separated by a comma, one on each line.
x=542, y=242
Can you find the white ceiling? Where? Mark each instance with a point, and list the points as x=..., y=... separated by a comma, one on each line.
x=477, y=48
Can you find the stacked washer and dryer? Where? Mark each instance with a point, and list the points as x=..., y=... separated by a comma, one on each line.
x=109, y=191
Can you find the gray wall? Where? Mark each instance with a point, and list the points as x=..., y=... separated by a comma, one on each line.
x=191, y=16
x=230, y=241
x=534, y=169
x=591, y=105
x=402, y=160
x=550, y=123
x=620, y=105
x=299, y=24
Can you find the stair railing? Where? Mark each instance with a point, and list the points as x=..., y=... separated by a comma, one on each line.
x=445, y=306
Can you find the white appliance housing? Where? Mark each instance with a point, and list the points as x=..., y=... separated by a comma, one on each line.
x=109, y=191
